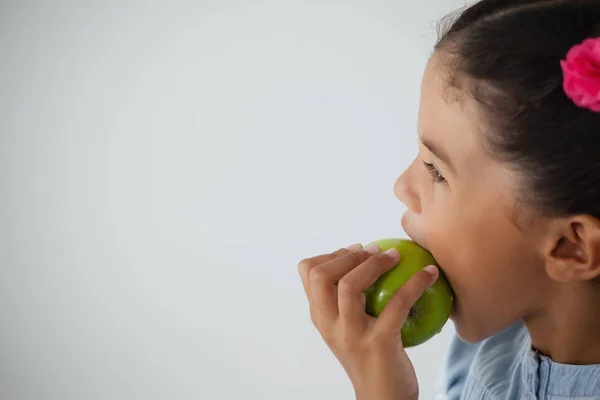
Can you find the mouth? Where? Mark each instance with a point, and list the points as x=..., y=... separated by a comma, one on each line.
x=420, y=240
x=407, y=227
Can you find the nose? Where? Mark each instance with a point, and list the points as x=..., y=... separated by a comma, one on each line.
x=405, y=190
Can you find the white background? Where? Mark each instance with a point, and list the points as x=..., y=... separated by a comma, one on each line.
x=163, y=168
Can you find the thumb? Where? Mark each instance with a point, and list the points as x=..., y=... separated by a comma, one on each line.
x=396, y=311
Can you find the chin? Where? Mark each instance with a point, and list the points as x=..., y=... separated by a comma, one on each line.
x=466, y=333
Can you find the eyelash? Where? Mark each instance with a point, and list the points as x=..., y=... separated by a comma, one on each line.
x=435, y=174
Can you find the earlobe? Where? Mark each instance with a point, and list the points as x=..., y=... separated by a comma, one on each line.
x=574, y=251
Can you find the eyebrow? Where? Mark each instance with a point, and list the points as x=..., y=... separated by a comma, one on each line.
x=438, y=152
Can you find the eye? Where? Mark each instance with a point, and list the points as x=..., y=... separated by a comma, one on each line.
x=435, y=174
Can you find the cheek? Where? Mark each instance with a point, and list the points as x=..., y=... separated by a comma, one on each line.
x=486, y=260
x=468, y=231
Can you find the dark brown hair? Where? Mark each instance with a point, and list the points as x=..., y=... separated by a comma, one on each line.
x=506, y=54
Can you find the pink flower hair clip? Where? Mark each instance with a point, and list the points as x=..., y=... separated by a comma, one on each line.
x=581, y=74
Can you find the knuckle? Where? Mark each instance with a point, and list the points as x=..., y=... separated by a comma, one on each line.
x=339, y=253
x=304, y=265
x=400, y=300
x=318, y=275
x=347, y=288
x=307, y=264
x=356, y=257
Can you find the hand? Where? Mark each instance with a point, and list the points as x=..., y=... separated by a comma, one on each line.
x=370, y=349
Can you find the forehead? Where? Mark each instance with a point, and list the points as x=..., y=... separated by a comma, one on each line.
x=449, y=117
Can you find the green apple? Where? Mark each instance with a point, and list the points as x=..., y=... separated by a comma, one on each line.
x=431, y=311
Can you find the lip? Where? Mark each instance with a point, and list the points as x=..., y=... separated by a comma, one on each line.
x=417, y=241
x=406, y=225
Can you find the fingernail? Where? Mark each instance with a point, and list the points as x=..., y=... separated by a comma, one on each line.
x=393, y=252
x=356, y=246
x=432, y=269
x=373, y=249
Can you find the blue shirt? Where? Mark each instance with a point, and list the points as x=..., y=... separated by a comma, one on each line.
x=505, y=367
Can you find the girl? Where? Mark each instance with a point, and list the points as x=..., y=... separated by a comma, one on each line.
x=505, y=193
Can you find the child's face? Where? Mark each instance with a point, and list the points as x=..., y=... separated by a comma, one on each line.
x=466, y=214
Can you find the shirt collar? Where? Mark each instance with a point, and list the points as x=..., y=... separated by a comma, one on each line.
x=560, y=380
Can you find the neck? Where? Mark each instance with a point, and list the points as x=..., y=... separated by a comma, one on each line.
x=568, y=329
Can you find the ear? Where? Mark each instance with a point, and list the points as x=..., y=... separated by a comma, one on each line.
x=573, y=249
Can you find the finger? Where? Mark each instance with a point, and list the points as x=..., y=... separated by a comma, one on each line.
x=396, y=311
x=325, y=277
x=351, y=297
x=306, y=265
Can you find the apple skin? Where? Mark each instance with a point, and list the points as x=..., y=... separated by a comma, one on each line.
x=431, y=311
